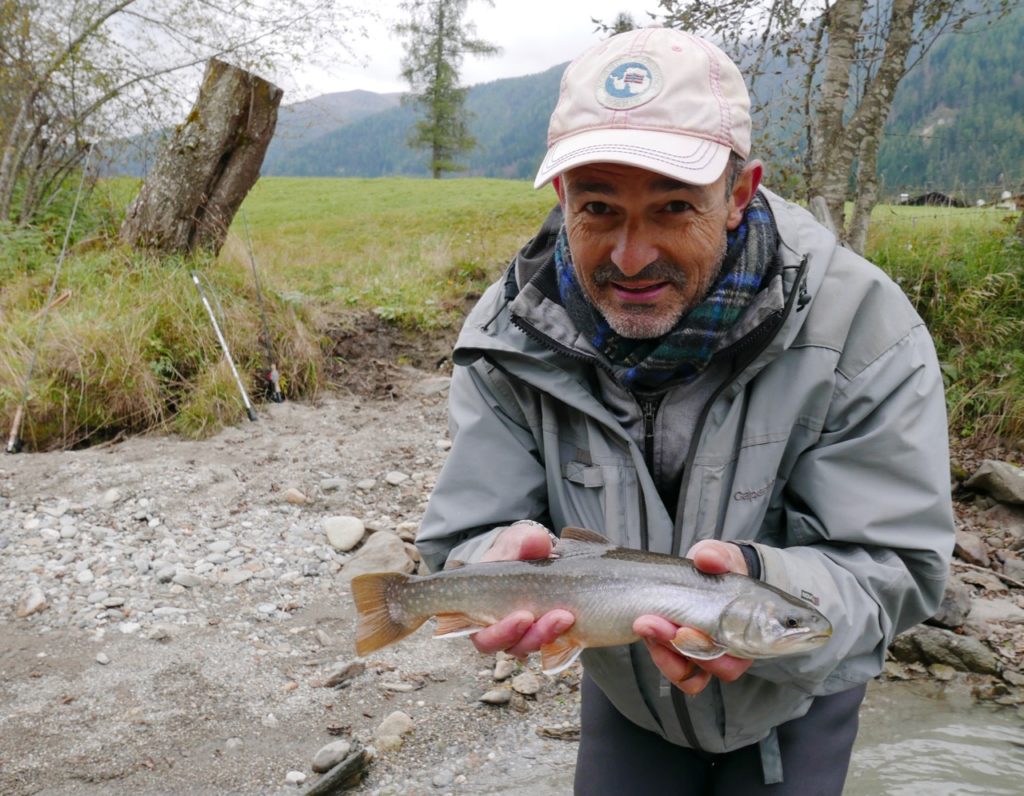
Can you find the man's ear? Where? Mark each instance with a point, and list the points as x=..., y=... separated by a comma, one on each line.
x=743, y=190
x=559, y=189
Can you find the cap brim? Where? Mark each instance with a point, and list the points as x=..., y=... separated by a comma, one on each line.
x=697, y=161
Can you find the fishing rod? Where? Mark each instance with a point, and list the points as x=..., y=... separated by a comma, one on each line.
x=224, y=347
x=272, y=377
x=14, y=441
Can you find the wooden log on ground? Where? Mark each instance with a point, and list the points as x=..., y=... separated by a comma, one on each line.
x=188, y=200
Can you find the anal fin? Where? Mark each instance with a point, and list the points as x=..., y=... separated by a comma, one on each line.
x=559, y=655
x=455, y=625
x=695, y=644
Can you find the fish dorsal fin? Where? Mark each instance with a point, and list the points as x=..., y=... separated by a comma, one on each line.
x=455, y=625
x=559, y=655
x=694, y=644
x=583, y=535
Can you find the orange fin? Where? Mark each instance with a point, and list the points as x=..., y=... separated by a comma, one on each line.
x=374, y=595
x=455, y=625
x=559, y=655
x=583, y=535
x=695, y=644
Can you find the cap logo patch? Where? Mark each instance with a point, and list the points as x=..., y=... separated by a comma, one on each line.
x=628, y=83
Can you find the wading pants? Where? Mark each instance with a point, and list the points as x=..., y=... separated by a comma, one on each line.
x=617, y=757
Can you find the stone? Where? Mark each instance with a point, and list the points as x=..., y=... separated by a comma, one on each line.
x=295, y=778
x=928, y=645
x=396, y=724
x=395, y=478
x=1002, y=480
x=31, y=602
x=941, y=671
x=956, y=604
x=997, y=609
x=527, y=684
x=330, y=755
x=497, y=696
x=970, y=548
x=294, y=496
x=382, y=552
x=503, y=669
x=235, y=577
x=102, y=659
x=344, y=533
x=343, y=673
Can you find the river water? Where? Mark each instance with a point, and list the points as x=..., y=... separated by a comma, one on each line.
x=915, y=739
x=927, y=739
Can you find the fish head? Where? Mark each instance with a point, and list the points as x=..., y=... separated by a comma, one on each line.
x=765, y=626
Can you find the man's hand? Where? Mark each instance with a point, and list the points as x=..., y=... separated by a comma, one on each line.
x=521, y=633
x=688, y=674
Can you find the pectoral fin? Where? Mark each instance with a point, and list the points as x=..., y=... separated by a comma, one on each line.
x=694, y=644
x=455, y=625
x=559, y=655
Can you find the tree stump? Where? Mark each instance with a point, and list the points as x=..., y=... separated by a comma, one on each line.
x=206, y=169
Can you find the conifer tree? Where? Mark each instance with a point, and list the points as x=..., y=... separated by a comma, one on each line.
x=437, y=40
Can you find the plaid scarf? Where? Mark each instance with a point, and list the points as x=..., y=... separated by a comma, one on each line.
x=682, y=354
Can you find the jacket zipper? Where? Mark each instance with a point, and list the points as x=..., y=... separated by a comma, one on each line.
x=752, y=345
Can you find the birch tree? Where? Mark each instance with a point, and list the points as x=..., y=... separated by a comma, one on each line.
x=437, y=40
x=849, y=57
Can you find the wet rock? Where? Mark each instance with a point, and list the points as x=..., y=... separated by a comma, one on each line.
x=344, y=533
x=330, y=755
x=1002, y=480
x=955, y=605
x=382, y=552
x=928, y=645
x=970, y=548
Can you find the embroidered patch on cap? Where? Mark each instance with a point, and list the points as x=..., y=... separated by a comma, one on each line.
x=629, y=82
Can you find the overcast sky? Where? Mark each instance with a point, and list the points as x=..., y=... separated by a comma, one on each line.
x=533, y=35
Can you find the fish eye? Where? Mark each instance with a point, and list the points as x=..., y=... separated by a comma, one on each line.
x=792, y=622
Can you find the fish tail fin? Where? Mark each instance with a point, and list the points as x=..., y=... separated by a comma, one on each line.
x=381, y=620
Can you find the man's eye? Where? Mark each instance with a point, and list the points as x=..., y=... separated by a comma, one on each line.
x=597, y=208
x=678, y=206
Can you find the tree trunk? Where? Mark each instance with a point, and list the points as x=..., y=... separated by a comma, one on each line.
x=200, y=179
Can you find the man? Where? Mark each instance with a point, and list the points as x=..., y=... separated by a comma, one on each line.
x=688, y=364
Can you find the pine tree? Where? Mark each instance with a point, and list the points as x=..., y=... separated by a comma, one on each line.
x=437, y=41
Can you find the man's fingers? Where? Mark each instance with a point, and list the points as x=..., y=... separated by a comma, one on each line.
x=519, y=543
x=716, y=557
x=545, y=630
x=503, y=634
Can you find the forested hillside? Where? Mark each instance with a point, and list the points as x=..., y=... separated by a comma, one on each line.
x=957, y=124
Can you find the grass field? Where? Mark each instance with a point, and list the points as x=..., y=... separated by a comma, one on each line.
x=128, y=346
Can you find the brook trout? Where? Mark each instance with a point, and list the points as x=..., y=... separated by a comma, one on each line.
x=606, y=588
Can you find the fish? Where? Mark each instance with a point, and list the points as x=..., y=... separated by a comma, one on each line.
x=606, y=588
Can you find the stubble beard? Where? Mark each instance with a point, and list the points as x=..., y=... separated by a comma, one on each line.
x=640, y=321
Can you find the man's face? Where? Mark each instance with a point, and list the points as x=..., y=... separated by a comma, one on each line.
x=647, y=248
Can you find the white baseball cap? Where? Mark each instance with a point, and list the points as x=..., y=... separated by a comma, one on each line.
x=656, y=98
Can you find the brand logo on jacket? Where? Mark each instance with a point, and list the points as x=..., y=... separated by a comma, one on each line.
x=754, y=494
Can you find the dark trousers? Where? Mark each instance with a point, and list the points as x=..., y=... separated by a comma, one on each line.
x=617, y=757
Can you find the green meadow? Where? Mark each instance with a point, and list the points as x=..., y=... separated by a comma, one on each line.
x=127, y=346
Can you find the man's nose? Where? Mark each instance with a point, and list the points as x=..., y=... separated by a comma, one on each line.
x=635, y=249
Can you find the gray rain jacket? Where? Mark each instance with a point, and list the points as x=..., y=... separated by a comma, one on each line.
x=818, y=436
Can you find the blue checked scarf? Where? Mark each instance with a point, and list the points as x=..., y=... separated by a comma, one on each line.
x=682, y=354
